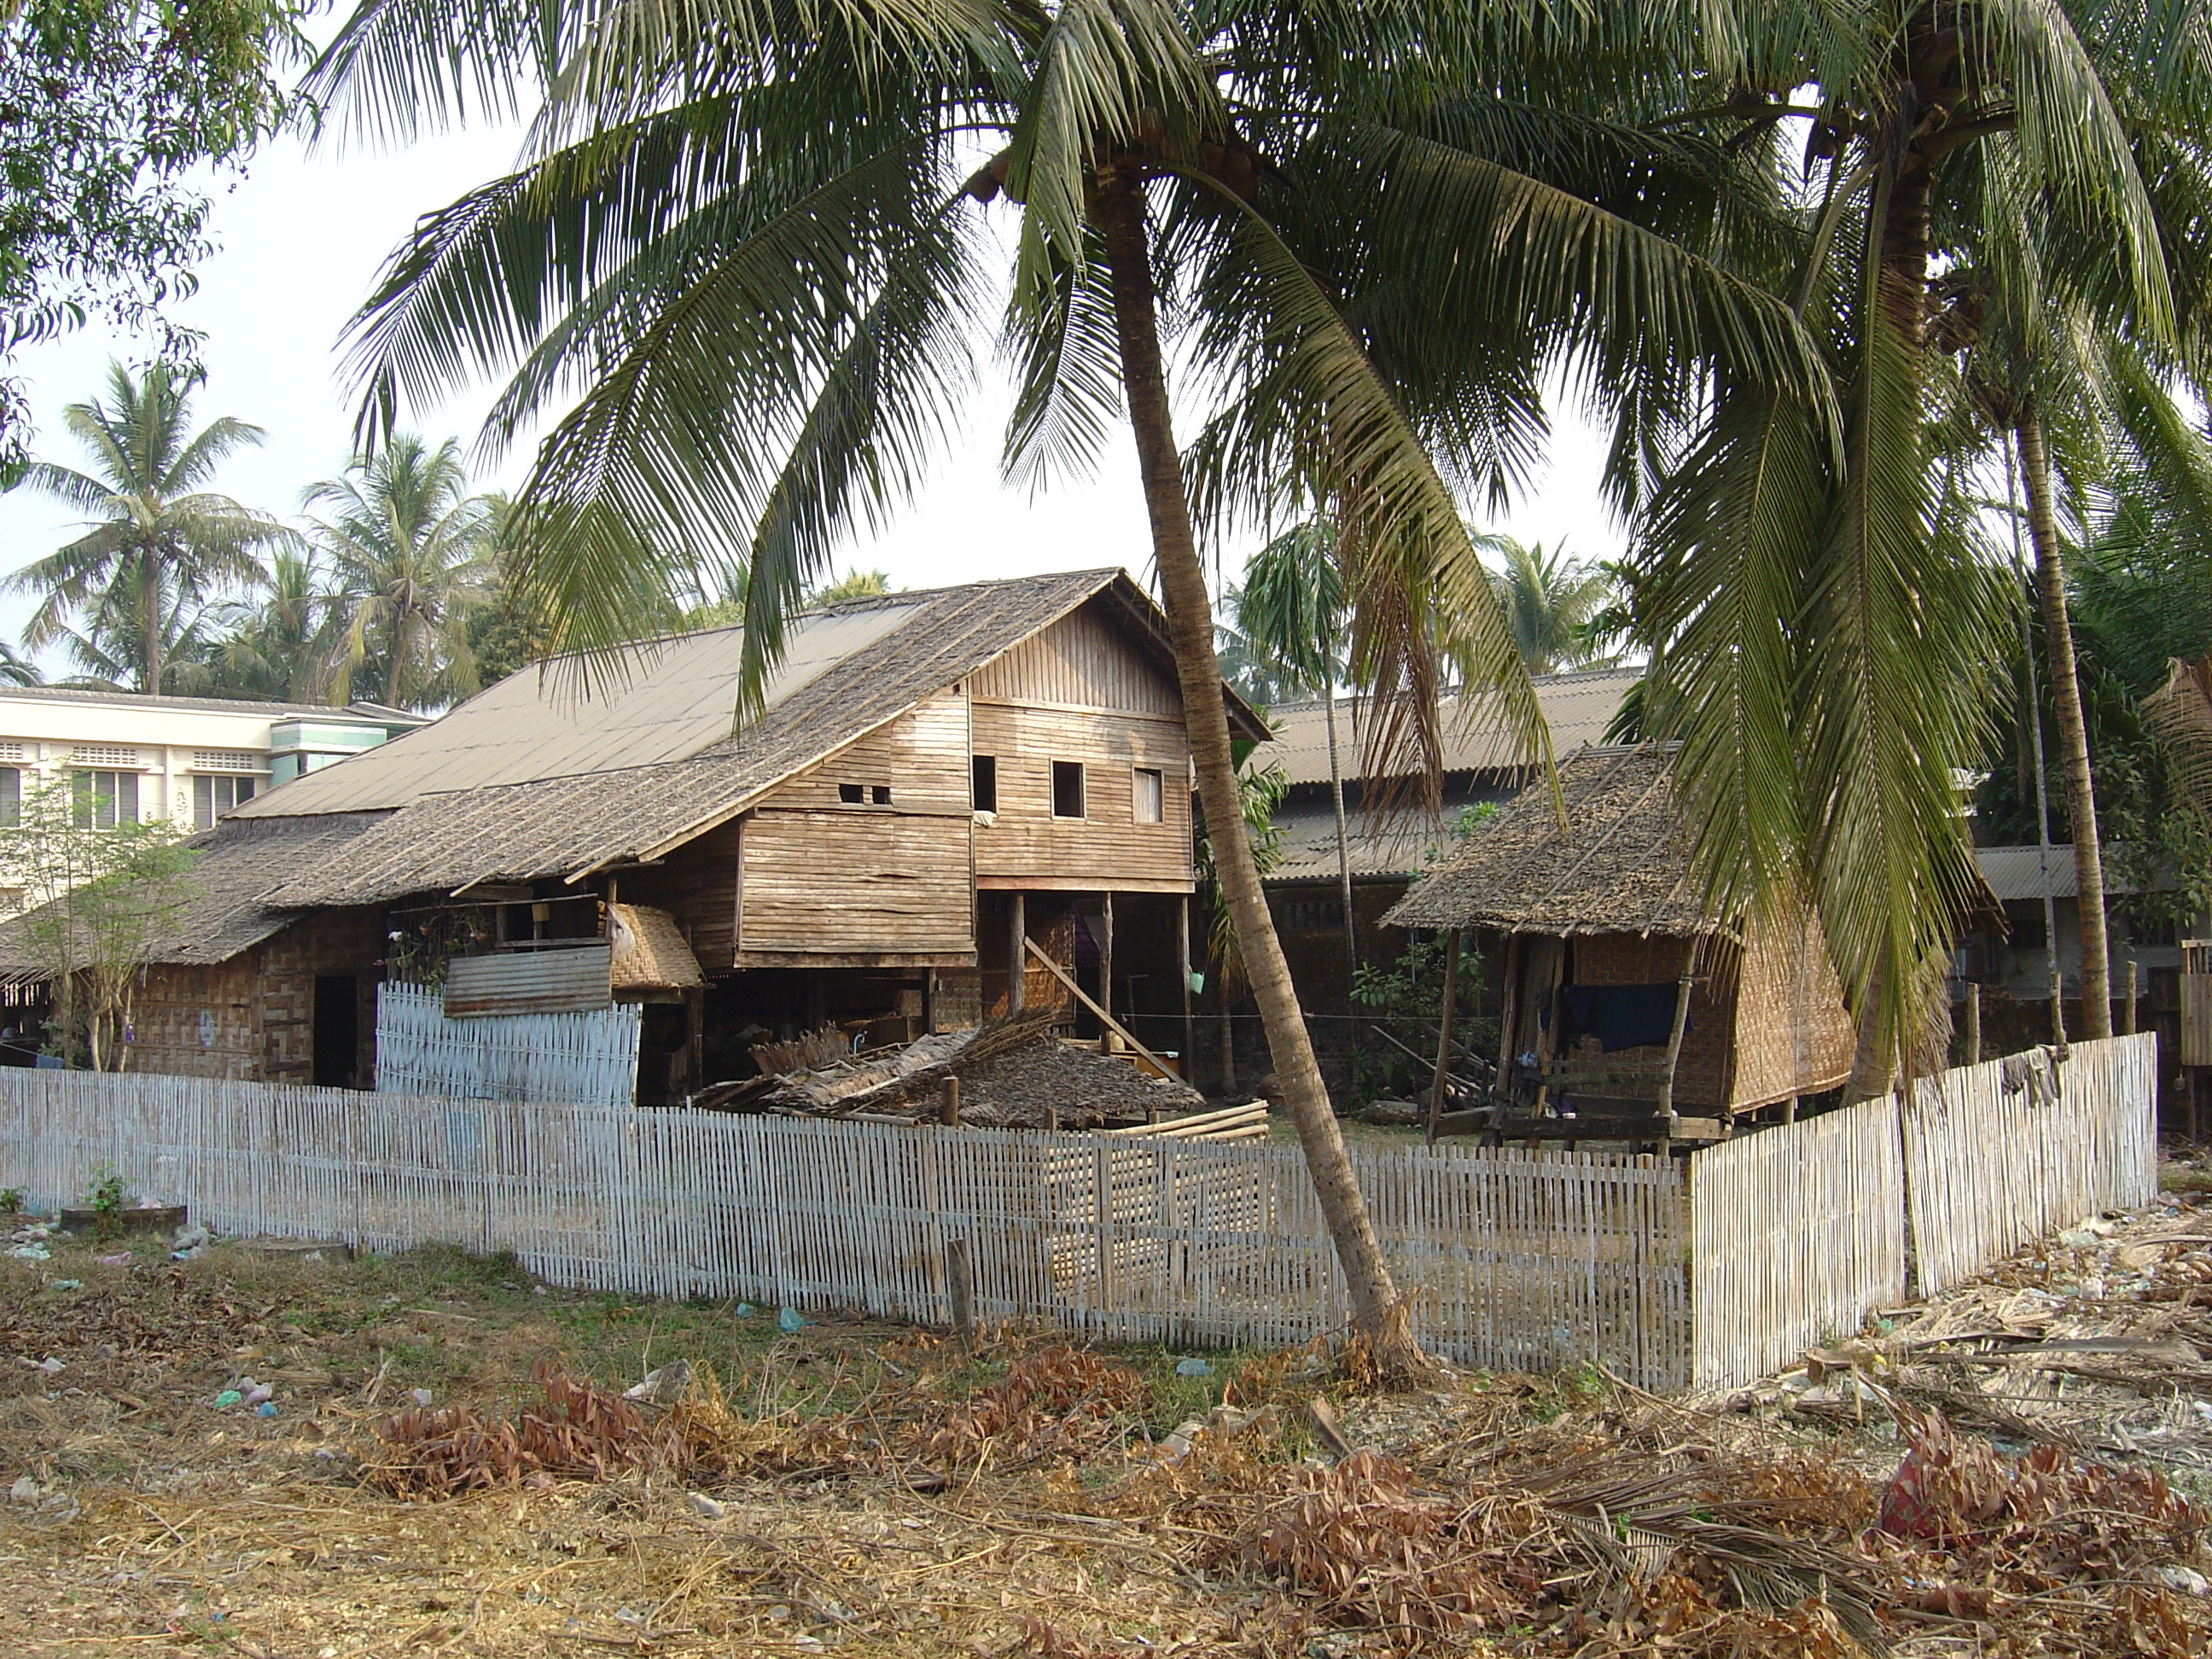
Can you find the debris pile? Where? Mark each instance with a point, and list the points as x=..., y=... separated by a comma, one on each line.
x=1013, y=1073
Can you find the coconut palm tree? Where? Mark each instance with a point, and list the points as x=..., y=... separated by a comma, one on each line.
x=411, y=551
x=1291, y=611
x=1550, y=602
x=129, y=592
x=761, y=243
x=1829, y=620
x=276, y=647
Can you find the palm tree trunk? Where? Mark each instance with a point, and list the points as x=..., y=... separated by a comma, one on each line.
x=1378, y=1316
x=1343, y=845
x=398, y=651
x=2073, y=731
x=149, y=622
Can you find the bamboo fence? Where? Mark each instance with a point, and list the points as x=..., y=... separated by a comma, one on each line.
x=1798, y=1232
x=1514, y=1260
x=2001, y=1153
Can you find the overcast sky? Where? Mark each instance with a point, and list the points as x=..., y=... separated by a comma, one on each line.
x=301, y=236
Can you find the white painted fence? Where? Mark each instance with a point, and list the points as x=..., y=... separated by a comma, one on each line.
x=590, y=1058
x=1517, y=1259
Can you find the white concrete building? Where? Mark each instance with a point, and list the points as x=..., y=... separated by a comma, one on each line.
x=188, y=759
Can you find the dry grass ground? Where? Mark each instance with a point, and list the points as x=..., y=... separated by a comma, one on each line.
x=873, y=1490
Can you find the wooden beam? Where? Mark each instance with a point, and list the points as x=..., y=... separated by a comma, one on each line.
x=1076, y=990
x=2128, y=1016
x=1182, y=975
x=1018, y=935
x=1106, y=951
x=1973, y=1024
x=1041, y=883
x=1444, y=1037
x=1675, y=1051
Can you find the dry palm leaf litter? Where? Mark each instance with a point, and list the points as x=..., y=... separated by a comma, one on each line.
x=452, y=1467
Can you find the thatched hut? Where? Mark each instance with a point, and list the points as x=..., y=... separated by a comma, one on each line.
x=1630, y=1011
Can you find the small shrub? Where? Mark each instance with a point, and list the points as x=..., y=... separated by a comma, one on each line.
x=11, y=1201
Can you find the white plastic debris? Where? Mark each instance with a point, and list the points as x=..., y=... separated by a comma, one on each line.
x=661, y=1384
x=711, y=1507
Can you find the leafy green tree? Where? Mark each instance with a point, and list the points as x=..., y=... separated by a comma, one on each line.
x=135, y=588
x=100, y=897
x=111, y=113
x=854, y=584
x=276, y=647
x=747, y=238
x=409, y=551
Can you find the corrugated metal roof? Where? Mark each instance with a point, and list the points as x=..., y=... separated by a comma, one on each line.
x=368, y=713
x=665, y=701
x=1402, y=848
x=2018, y=874
x=1577, y=707
x=572, y=979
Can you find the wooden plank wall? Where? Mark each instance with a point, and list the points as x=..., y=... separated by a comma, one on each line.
x=1106, y=846
x=1994, y=1159
x=1796, y=1232
x=698, y=886
x=828, y=878
x=2196, y=991
x=1081, y=691
x=1518, y=1260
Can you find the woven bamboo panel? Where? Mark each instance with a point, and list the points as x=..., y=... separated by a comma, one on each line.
x=1796, y=1232
x=1516, y=1260
x=2003, y=1152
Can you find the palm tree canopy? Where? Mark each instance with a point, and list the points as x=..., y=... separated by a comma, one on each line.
x=411, y=551
x=758, y=249
x=1290, y=610
x=134, y=587
x=1551, y=603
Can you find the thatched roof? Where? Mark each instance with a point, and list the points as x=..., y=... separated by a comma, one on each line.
x=897, y=650
x=1619, y=866
x=237, y=863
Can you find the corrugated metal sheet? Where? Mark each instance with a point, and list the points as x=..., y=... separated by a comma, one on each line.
x=2016, y=874
x=1577, y=707
x=663, y=700
x=571, y=980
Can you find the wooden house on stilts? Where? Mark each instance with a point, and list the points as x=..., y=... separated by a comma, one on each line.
x=1630, y=1011
x=949, y=802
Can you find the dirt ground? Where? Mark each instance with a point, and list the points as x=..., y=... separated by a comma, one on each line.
x=2018, y=1468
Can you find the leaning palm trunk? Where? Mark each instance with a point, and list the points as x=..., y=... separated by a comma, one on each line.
x=1377, y=1314
x=2073, y=733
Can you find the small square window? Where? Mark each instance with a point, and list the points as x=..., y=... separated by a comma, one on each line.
x=983, y=782
x=214, y=796
x=852, y=793
x=105, y=799
x=881, y=795
x=1067, y=789
x=1148, y=803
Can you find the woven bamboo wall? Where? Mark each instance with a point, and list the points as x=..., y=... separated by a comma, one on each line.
x=1793, y=1034
x=1701, y=1076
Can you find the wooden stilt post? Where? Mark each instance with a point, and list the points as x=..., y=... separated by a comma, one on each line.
x=1106, y=955
x=928, y=1001
x=2058, y=1014
x=1973, y=1023
x=1675, y=1055
x=1016, y=958
x=1444, y=1028
x=2127, y=1011
x=1790, y=1111
x=1190, y=1056
x=948, y=1105
x=1509, y=1015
